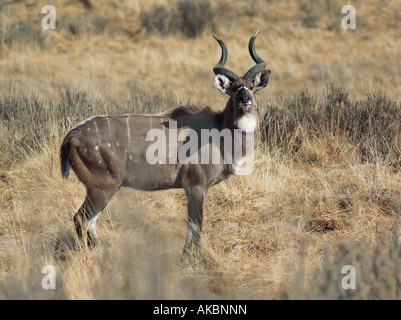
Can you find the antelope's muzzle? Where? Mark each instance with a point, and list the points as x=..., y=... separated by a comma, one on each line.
x=244, y=100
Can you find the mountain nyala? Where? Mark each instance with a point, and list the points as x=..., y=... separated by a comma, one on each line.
x=110, y=152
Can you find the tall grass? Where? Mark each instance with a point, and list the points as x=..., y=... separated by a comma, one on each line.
x=371, y=125
x=187, y=17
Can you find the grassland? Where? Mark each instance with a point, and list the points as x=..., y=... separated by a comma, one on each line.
x=325, y=191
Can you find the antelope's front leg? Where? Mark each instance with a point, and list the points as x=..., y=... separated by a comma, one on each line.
x=195, y=197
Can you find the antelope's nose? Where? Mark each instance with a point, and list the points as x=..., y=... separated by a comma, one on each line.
x=244, y=98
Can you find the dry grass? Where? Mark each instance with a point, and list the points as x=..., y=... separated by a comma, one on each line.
x=325, y=191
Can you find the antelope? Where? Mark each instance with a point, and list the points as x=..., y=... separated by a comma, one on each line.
x=109, y=152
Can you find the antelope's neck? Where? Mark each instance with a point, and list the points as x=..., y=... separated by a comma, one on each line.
x=242, y=126
x=247, y=122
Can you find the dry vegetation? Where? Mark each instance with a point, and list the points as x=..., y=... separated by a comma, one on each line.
x=326, y=188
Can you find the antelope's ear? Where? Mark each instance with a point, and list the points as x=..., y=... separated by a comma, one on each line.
x=261, y=80
x=222, y=83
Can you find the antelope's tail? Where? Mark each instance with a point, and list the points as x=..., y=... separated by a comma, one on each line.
x=65, y=163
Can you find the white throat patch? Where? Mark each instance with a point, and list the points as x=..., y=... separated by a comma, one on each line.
x=247, y=123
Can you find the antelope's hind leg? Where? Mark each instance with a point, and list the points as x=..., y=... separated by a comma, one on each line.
x=95, y=201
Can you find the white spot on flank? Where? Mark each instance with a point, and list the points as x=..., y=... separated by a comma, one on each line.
x=97, y=148
x=130, y=157
x=100, y=161
x=109, y=145
x=247, y=123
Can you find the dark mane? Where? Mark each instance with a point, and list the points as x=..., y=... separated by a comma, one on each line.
x=183, y=111
x=189, y=110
